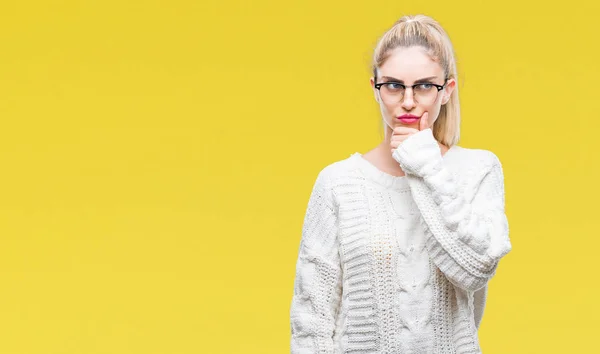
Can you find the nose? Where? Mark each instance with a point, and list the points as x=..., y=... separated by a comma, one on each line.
x=408, y=101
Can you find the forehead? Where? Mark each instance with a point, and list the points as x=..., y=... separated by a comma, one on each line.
x=410, y=64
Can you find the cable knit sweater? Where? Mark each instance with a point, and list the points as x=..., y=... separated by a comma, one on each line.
x=390, y=264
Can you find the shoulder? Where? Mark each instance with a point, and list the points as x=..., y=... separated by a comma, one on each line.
x=471, y=165
x=473, y=158
x=337, y=170
x=335, y=174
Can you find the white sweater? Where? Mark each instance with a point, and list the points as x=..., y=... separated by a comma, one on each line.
x=391, y=264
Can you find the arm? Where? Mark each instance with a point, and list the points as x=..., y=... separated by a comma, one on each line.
x=467, y=233
x=479, y=299
x=318, y=281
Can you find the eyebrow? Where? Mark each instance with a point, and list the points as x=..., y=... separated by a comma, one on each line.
x=389, y=78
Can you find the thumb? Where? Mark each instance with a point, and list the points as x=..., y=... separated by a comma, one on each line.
x=424, y=123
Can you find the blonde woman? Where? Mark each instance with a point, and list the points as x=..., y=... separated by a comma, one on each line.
x=399, y=243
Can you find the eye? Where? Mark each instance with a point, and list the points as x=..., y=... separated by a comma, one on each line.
x=424, y=87
x=394, y=86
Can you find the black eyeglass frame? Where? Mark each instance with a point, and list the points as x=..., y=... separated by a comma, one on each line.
x=438, y=87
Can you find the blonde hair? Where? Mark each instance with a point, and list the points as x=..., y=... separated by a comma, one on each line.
x=422, y=30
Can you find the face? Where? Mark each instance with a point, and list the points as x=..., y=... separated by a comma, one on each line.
x=409, y=66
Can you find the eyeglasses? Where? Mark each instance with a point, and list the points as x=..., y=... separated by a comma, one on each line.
x=392, y=92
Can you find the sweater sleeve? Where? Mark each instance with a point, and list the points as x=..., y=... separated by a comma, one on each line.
x=467, y=230
x=318, y=281
x=479, y=300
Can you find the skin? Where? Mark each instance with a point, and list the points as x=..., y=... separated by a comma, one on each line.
x=408, y=64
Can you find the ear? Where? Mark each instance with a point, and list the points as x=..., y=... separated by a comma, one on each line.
x=450, y=86
x=372, y=82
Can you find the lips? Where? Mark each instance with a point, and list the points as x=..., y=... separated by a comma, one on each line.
x=408, y=118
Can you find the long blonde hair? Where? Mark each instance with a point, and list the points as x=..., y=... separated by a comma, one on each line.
x=422, y=30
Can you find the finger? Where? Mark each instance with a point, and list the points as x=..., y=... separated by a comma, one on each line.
x=395, y=143
x=398, y=139
x=424, y=123
x=404, y=130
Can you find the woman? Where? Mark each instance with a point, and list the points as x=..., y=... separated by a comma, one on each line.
x=399, y=244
